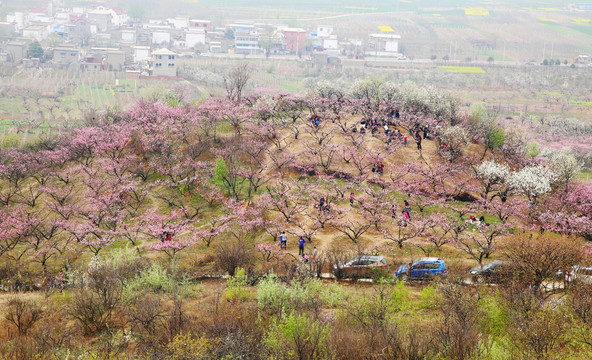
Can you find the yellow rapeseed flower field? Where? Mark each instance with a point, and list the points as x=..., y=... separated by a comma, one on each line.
x=581, y=21
x=463, y=69
x=386, y=28
x=476, y=11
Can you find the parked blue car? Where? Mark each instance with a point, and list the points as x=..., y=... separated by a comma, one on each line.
x=424, y=268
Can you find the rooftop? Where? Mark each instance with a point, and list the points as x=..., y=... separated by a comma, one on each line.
x=385, y=36
x=163, y=51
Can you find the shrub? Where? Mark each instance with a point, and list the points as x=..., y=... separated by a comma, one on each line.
x=232, y=255
x=458, y=332
x=154, y=279
x=236, y=289
x=428, y=298
x=296, y=337
x=94, y=303
x=23, y=314
x=400, y=297
x=271, y=293
x=275, y=296
x=333, y=295
x=189, y=347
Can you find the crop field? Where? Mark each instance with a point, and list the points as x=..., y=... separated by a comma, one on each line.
x=463, y=69
x=476, y=12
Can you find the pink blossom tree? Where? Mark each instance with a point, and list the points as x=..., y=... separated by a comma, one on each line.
x=483, y=242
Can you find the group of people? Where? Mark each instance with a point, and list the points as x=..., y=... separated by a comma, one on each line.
x=166, y=236
x=473, y=220
x=373, y=125
x=301, y=243
x=378, y=168
x=323, y=204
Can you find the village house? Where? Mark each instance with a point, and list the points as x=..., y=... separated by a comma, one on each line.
x=16, y=50
x=128, y=36
x=201, y=24
x=383, y=45
x=140, y=53
x=161, y=35
x=246, y=38
x=36, y=32
x=194, y=36
x=295, y=40
x=101, y=18
x=65, y=56
x=164, y=63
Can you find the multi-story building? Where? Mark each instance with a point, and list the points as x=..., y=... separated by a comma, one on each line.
x=102, y=18
x=160, y=34
x=201, y=24
x=65, y=55
x=128, y=36
x=246, y=38
x=164, y=63
x=37, y=32
x=16, y=50
x=194, y=36
x=140, y=53
x=295, y=40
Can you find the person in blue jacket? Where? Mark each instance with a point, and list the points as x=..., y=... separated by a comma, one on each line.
x=301, y=243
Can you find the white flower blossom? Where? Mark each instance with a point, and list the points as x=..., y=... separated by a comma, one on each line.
x=565, y=165
x=493, y=172
x=532, y=180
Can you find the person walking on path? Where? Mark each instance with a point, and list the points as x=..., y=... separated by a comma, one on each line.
x=314, y=253
x=394, y=211
x=283, y=241
x=351, y=199
x=405, y=141
x=418, y=141
x=301, y=243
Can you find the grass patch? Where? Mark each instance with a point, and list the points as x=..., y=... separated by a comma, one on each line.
x=586, y=29
x=463, y=69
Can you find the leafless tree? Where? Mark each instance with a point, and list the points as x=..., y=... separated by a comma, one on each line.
x=236, y=80
x=23, y=314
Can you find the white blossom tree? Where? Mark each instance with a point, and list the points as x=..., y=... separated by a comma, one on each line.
x=566, y=167
x=532, y=181
x=453, y=141
x=493, y=177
